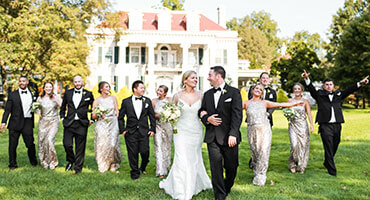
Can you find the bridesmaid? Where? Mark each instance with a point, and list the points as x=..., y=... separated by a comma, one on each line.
x=259, y=131
x=107, y=142
x=299, y=133
x=163, y=136
x=48, y=126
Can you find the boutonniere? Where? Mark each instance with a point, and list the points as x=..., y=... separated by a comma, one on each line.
x=144, y=99
x=267, y=90
x=224, y=91
x=84, y=93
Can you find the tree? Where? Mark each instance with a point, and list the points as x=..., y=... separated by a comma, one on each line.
x=352, y=58
x=254, y=44
x=173, y=4
x=289, y=69
x=313, y=41
x=262, y=20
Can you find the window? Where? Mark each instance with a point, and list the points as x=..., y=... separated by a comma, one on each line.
x=115, y=82
x=192, y=57
x=135, y=54
x=127, y=81
x=225, y=56
x=109, y=55
x=218, y=58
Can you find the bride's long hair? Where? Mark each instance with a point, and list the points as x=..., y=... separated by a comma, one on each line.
x=186, y=76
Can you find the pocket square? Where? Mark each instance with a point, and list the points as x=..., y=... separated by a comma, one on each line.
x=338, y=93
x=87, y=99
x=271, y=96
x=228, y=100
x=146, y=105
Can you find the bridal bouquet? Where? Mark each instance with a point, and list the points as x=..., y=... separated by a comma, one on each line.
x=170, y=114
x=289, y=113
x=35, y=106
x=100, y=111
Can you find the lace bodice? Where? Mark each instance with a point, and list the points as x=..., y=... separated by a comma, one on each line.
x=256, y=113
x=49, y=108
x=189, y=115
x=108, y=104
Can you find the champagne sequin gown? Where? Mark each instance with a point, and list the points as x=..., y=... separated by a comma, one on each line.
x=47, y=131
x=299, y=139
x=107, y=138
x=162, y=142
x=259, y=137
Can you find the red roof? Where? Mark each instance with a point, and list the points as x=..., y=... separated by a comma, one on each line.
x=150, y=22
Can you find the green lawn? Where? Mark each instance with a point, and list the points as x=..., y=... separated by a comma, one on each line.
x=352, y=162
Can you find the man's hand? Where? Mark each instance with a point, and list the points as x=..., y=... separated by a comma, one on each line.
x=232, y=141
x=151, y=133
x=365, y=80
x=305, y=75
x=214, y=120
x=2, y=127
x=123, y=133
x=203, y=113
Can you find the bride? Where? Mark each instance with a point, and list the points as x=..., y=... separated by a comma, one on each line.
x=187, y=176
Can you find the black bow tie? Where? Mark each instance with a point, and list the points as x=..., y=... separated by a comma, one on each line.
x=138, y=98
x=217, y=89
x=77, y=92
x=23, y=92
x=331, y=93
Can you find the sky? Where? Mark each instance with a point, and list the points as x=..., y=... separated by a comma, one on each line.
x=314, y=16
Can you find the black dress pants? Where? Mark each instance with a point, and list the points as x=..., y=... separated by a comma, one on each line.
x=330, y=136
x=27, y=135
x=222, y=157
x=137, y=144
x=78, y=132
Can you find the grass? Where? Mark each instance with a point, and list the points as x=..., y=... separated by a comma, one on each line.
x=352, y=162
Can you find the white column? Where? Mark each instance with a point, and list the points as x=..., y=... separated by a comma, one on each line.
x=151, y=77
x=185, y=54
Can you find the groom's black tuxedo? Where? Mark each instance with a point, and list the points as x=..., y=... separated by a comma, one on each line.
x=76, y=127
x=330, y=131
x=137, y=137
x=229, y=109
x=18, y=125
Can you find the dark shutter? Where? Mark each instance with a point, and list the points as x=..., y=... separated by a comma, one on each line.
x=127, y=54
x=142, y=55
x=116, y=55
x=200, y=56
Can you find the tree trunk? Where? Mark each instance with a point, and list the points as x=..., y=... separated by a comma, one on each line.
x=363, y=102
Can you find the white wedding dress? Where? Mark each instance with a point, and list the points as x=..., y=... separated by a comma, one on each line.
x=188, y=175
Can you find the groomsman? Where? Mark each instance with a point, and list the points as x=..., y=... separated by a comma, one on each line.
x=330, y=116
x=269, y=95
x=221, y=113
x=138, y=111
x=76, y=101
x=21, y=121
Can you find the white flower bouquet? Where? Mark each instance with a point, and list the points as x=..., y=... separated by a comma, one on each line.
x=100, y=111
x=170, y=114
x=35, y=106
x=289, y=113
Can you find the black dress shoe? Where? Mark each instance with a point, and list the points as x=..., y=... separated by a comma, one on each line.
x=69, y=166
x=12, y=168
x=250, y=164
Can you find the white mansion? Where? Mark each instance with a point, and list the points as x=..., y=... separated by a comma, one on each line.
x=158, y=45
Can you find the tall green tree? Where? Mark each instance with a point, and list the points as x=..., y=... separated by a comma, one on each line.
x=263, y=21
x=352, y=58
x=173, y=4
x=289, y=69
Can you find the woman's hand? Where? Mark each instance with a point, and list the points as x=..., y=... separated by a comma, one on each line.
x=311, y=128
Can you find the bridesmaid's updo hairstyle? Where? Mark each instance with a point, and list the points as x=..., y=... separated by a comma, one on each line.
x=258, y=84
x=300, y=85
x=186, y=76
x=43, y=89
x=101, y=85
x=165, y=88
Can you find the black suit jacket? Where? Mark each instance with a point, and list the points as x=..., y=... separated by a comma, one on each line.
x=270, y=96
x=229, y=109
x=14, y=108
x=82, y=109
x=132, y=122
x=324, y=104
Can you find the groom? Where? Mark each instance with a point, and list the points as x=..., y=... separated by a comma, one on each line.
x=138, y=111
x=221, y=114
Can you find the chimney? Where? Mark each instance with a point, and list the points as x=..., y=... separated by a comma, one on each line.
x=192, y=21
x=135, y=20
x=164, y=20
x=221, y=11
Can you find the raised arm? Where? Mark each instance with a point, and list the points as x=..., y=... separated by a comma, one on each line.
x=270, y=104
x=354, y=87
x=309, y=85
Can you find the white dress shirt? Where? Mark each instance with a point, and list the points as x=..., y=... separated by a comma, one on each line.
x=138, y=106
x=217, y=94
x=77, y=99
x=26, y=99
